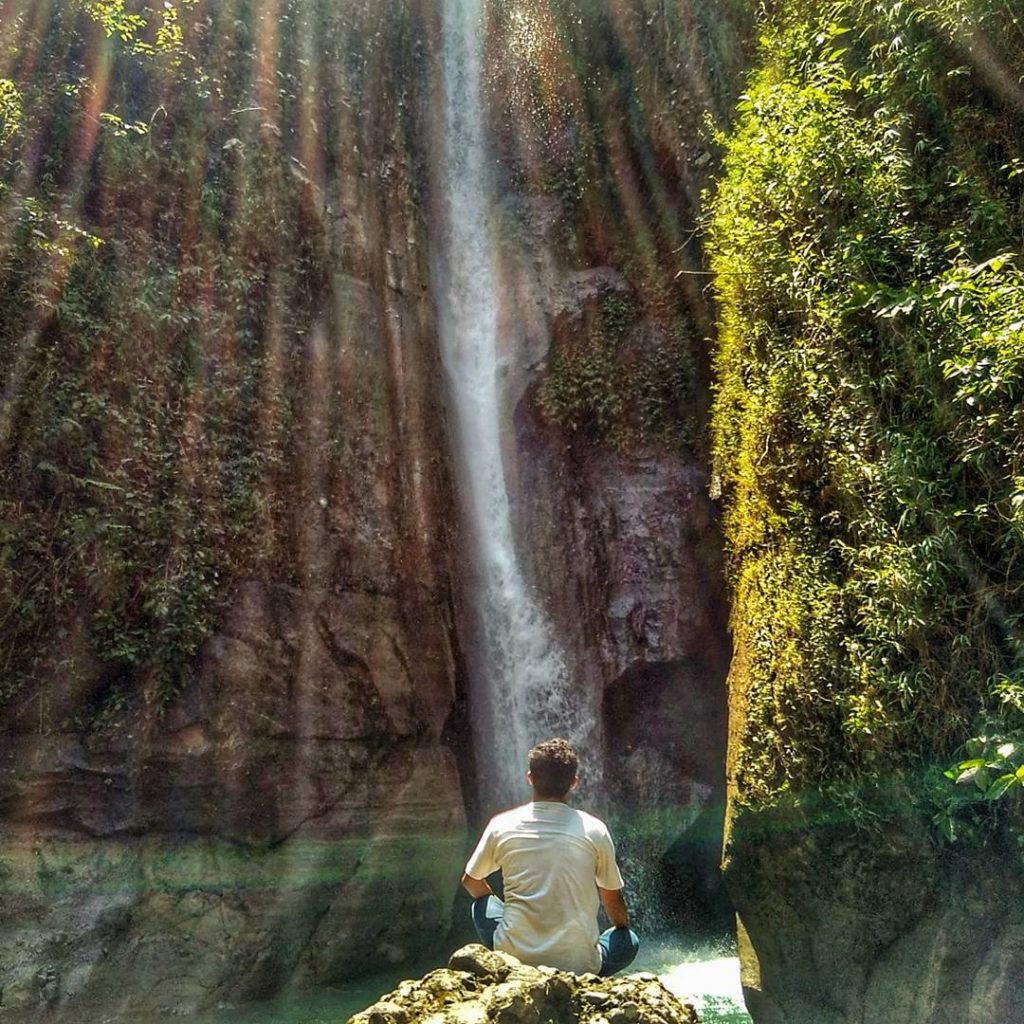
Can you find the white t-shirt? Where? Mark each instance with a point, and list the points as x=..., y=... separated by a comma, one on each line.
x=552, y=858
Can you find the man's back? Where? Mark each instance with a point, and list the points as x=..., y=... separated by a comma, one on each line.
x=552, y=858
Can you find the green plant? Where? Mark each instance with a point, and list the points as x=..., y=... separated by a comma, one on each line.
x=613, y=392
x=867, y=424
x=989, y=771
x=155, y=349
x=10, y=110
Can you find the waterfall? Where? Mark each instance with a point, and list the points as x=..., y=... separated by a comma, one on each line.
x=520, y=682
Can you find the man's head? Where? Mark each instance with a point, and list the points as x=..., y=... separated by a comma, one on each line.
x=553, y=766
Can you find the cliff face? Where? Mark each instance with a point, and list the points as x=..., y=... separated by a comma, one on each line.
x=602, y=160
x=869, y=363
x=841, y=926
x=230, y=578
x=291, y=814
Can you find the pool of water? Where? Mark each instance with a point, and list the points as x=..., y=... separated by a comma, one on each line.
x=705, y=973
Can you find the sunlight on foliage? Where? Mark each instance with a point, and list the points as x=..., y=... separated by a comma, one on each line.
x=10, y=110
x=130, y=26
x=869, y=432
x=161, y=266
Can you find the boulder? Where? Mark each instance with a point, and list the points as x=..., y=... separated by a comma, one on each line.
x=481, y=985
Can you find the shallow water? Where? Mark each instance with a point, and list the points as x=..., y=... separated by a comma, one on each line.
x=705, y=973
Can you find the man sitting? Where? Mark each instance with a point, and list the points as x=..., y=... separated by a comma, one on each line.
x=555, y=862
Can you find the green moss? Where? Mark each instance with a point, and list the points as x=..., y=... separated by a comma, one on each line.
x=602, y=387
x=155, y=316
x=867, y=424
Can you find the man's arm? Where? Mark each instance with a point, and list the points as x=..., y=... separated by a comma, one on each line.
x=476, y=887
x=615, y=907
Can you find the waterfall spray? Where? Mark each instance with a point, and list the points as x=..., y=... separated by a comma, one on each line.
x=521, y=686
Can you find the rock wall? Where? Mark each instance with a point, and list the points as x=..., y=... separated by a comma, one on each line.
x=844, y=926
x=869, y=886
x=294, y=816
x=603, y=325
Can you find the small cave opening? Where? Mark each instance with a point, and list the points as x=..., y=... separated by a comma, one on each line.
x=665, y=735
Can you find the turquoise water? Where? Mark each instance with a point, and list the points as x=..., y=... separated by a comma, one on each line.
x=706, y=974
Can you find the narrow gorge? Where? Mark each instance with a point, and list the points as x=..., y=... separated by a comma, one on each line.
x=344, y=355
x=388, y=386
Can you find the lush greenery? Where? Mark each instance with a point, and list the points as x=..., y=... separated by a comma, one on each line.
x=869, y=422
x=600, y=105
x=162, y=264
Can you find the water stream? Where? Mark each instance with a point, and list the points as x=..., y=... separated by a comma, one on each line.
x=520, y=677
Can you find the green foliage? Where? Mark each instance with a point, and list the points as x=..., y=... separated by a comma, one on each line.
x=162, y=263
x=116, y=19
x=992, y=769
x=132, y=24
x=618, y=381
x=10, y=110
x=867, y=426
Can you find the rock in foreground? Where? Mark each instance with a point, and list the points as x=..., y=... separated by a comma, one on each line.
x=481, y=985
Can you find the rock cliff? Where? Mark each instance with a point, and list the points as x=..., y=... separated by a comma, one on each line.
x=264, y=420
x=602, y=164
x=876, y=875
x=841, y=926
x=293, y=813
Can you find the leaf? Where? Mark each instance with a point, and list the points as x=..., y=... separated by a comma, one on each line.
x=1000, y=786
x=946, y=826
x=101, y=484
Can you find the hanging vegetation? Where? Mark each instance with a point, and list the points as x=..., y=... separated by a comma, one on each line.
x=869, y=428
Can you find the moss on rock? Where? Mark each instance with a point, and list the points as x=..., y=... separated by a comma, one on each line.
x=481, y=985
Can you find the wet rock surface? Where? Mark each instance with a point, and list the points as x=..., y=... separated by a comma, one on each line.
x=614, y=521
x=481, y=985
x=841, y=925
x=624, y=548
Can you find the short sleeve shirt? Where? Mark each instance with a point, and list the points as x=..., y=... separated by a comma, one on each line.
x=552, y=858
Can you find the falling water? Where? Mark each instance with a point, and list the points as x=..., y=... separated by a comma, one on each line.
x=521, y=684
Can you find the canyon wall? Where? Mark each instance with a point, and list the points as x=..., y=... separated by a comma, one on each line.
x=868, y=368
x=235, y=753
x=291, y=813
x=853, y=923
x=602, y=159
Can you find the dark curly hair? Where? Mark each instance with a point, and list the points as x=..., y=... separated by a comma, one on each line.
x=553, y=766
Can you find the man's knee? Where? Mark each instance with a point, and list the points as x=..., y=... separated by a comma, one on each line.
x=487, y=912
x=619, y=947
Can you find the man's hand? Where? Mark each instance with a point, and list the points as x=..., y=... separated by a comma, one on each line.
x=614, y=907
x=476, y=887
